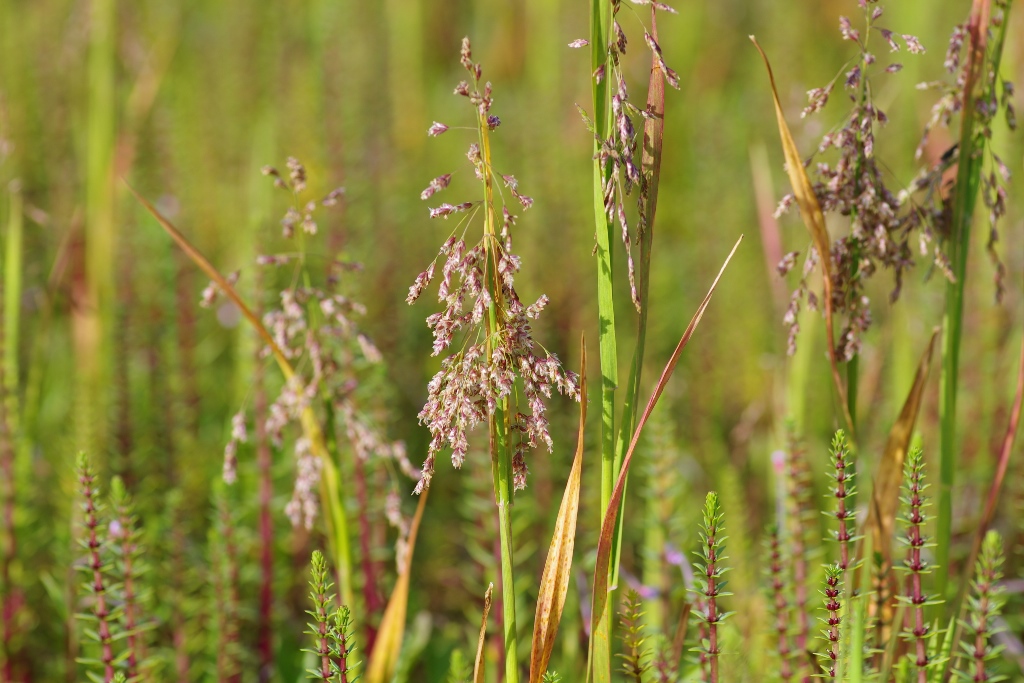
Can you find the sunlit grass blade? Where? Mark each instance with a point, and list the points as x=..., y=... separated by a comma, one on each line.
x=9, y=421
x=388, y=646
x=554, y=581
x=885, y=489
x=968, y=178
x=600, y=34
x=478, y=662
x=650, y=174
x=814, y=219
x=600, y=647
x=336, y=519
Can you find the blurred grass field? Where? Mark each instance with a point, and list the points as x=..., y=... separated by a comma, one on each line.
x=186, y=101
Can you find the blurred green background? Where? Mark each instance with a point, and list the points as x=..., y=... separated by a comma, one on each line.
x=187, y=100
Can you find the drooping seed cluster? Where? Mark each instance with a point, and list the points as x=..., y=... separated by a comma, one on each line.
x=853, y=185
x=315, y=327
x=993, y=95
x=483, y=310
x=618, y=152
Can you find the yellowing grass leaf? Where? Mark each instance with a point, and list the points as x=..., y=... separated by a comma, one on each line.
x=885, y=489
x=385, y=653
x=598, y=614
x=554, y=581
x=478, y=663
x=814, y=219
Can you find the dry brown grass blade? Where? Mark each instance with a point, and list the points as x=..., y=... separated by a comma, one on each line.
x=607, y=538
x=385, y=653
x=814, y=219
x=211, y=272
x=478, y=662
x=554, y=581
x=885, y=488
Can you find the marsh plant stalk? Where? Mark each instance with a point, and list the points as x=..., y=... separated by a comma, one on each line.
x=498, y=424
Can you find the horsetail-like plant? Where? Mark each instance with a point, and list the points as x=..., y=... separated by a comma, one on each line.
x=477, y=384
x=709, y=583
x=800, y=513
x=226, y=579
x=842, y=474
x=331, y=631
x=96, y=567
x=915, y=564
x=635, y=656
x=984, y=606
x=781, y=612
x=833, y=594
x=128, y=567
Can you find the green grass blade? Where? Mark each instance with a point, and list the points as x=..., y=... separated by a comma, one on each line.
x=968, y=179
x=600, y=27
x=600, y=599
x=650, y=170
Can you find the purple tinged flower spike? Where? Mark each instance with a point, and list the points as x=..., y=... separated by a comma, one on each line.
x=436, y=185
x=913, y=44
x=436, y=129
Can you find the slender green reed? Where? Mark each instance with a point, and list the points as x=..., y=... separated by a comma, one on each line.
x=982, y=61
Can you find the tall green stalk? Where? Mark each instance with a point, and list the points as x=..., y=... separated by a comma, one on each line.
x=600, y=26
x=968, y=179
x=94, y=323
x=501, y=454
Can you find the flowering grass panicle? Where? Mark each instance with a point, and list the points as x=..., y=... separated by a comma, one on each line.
x=994, y=96
x=497, y=360
x=619, y=151
x=314, y=325
x=854, y=185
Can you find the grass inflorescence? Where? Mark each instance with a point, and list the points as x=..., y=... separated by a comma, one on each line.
x=272, y=442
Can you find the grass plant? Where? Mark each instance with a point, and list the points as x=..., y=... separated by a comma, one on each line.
x=273, y=441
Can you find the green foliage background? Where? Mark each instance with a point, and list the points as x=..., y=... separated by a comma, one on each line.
x=116, y=357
